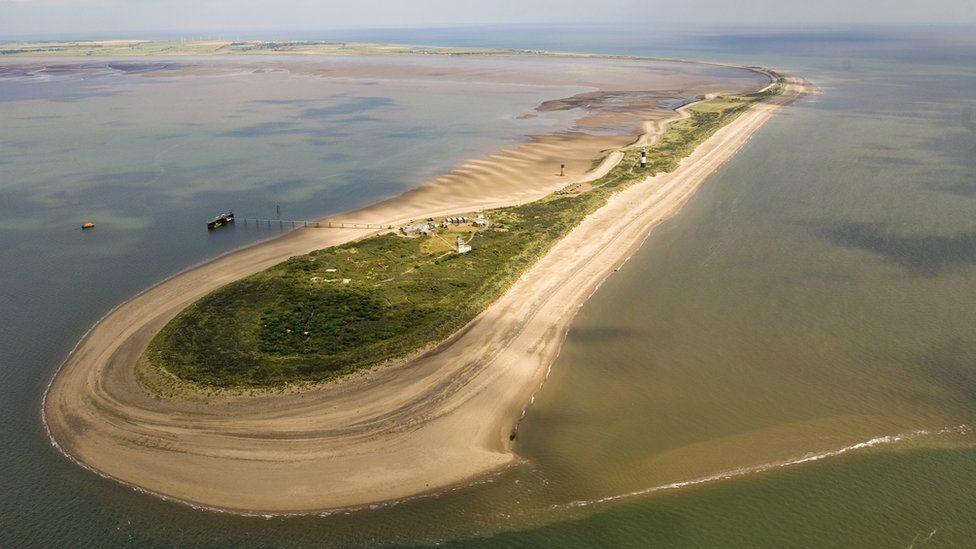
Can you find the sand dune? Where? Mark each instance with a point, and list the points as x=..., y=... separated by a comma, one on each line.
x=394, y=432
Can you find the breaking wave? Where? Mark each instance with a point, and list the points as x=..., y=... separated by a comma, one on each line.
x=743, y=471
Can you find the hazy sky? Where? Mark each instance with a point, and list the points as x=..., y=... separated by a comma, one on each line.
x=115, y=17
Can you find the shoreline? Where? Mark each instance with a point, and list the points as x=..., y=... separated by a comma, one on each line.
x=498, y=453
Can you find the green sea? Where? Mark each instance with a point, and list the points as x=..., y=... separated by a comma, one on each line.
x=789, y=362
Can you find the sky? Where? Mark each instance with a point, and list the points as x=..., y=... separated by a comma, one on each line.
x=136, y=18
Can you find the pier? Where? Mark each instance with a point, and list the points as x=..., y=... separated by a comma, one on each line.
x=305, y=223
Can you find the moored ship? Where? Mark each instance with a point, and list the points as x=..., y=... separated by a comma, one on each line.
x=220, y=220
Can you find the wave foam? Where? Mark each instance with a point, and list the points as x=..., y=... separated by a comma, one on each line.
x=742, y=471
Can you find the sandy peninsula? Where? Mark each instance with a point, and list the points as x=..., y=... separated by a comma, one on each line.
x=395, y=432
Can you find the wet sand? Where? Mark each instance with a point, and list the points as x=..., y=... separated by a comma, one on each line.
x=397, y=431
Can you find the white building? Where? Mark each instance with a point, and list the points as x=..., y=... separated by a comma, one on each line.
x=423, y=228
x=462, y=247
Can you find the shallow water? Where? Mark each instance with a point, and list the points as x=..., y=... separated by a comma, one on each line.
x=815, y=295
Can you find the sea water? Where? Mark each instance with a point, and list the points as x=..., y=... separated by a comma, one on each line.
x=788, y=362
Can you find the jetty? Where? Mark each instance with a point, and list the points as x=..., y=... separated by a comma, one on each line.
x=305, y=223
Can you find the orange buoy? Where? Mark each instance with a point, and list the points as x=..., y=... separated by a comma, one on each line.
x=87, y=225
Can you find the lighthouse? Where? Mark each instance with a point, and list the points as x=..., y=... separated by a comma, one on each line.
x=644, y=157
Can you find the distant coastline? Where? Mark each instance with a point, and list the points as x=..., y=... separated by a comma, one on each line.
x=158, y=48
x=124, y=48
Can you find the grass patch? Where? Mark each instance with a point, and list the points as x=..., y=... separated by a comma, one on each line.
x=595, y=163
x=338, y=310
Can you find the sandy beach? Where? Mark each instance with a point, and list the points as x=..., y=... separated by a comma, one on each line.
x=395, y=432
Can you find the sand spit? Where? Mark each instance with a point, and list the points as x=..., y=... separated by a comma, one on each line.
x=394, y=433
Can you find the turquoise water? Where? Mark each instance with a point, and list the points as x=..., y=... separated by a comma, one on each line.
x=814, y=296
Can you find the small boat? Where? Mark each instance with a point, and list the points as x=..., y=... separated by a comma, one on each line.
x=220, y=220
x=87, y=225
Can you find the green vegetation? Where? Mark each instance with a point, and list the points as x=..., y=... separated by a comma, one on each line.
x=595, y=163
x=342, y=309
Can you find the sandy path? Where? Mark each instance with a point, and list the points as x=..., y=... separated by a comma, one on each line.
x=396, y=432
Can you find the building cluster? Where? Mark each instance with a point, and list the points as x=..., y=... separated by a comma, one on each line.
x=455, y=221
x=427, y=228
x=423, y=229
x=479, y=220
